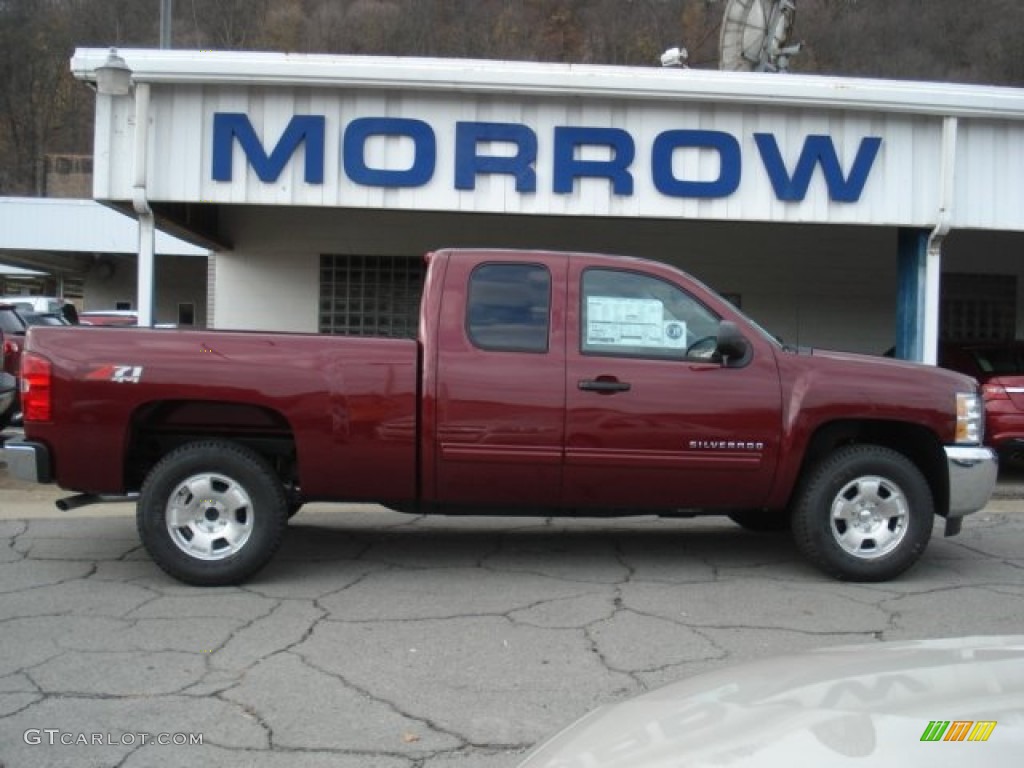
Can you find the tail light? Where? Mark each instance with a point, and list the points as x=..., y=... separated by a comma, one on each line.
x=36, y=391
x=994, y=392
x=10, y=349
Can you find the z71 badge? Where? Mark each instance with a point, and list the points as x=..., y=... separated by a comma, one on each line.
x=120, y=374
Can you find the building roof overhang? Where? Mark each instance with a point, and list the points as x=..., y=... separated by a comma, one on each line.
x=557, y=80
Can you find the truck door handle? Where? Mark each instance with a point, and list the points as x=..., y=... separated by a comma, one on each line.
x=605, y=386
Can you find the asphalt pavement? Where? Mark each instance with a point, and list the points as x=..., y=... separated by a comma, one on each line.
x=392, y=641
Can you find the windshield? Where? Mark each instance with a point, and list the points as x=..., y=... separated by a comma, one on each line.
x=999, y=361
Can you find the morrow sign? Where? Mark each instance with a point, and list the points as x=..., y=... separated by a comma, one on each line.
x=474, y=143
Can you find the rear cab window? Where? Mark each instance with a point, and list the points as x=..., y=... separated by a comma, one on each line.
x=509, y=307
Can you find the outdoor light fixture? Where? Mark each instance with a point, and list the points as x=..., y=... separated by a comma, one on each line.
x=113, y=78
x=674, y=57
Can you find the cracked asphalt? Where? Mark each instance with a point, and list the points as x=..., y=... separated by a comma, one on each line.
x=385, y=640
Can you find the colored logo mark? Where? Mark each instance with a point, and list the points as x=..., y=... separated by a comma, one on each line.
x=958, y=730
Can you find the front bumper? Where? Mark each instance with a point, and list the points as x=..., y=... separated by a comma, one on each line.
x=972, y=478
x=28, y=461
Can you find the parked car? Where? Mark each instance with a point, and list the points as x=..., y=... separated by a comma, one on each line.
x=8, y=384
x=35, y=303
x=872, y=706
x=45, y=318
x=999, y=368
x=541, y=382
x=115, y=317
x=13, y=326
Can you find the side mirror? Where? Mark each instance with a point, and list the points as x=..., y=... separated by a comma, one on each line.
x=69, y=313
x=733, y=346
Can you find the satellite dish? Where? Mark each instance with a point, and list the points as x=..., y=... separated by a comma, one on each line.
x=755, y=34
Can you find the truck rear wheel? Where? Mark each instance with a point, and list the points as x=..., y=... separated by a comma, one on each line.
x=863, y=514
x=212, y=513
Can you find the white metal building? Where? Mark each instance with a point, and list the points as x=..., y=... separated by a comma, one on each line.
x=91, y=250
x=829, y=208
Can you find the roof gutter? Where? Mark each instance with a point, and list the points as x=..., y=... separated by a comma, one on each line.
x=140, y=202
x=558, y=80
x=933, y=267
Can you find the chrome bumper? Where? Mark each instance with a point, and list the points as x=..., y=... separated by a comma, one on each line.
x=28, y=461
x=972, y=478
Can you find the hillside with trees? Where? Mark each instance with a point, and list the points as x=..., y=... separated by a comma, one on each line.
x=44, y=111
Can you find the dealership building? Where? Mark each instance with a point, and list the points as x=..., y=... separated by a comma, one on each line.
x=854, y=214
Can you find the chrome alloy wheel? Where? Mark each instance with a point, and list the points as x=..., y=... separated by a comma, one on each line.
x=209, y=516
x=869, y=517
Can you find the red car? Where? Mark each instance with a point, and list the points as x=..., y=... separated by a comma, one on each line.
x=116, y=317
x=999, y=368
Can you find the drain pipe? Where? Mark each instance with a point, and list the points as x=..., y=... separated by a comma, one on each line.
x=933, y=259
x=147, y=222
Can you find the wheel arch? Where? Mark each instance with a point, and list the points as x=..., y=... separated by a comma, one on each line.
x=919, y=444
x=157, y=428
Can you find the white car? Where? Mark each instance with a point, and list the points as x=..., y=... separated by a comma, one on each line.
x=40, y=304
x=952, y=702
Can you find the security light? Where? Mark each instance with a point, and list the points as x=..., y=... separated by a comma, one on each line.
x=113, y=78
x=674, y=57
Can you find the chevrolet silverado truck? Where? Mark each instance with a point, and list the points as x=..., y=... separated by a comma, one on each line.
x=540, y=383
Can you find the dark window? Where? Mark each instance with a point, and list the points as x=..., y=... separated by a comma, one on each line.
x=10, y=322
x=629, y=314
x=978, y=307
x=509, y=307
x=370, y=295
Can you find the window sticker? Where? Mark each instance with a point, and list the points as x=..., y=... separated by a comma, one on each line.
x=618, y=322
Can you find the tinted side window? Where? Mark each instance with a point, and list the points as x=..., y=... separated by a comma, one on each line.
x=636, y=315
x=509, y=307
x=10, y=322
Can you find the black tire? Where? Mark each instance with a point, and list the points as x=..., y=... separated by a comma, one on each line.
x=230, y=513
x=886, y=497
x=762, y=520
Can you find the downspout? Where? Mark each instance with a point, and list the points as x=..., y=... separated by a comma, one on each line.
x=147, y=222
x=933, y=259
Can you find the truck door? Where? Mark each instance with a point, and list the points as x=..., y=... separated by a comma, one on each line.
x=500, y=388
x=653, y=421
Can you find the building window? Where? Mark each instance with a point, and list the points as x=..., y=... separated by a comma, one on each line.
x=978, y=307
x=370, y=295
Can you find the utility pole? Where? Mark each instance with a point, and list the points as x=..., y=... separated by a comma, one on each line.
x=166, y=11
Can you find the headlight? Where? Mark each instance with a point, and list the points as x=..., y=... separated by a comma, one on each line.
x=970, y=418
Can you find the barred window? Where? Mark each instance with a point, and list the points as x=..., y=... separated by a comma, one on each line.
x=978, y=307
x=370, y=295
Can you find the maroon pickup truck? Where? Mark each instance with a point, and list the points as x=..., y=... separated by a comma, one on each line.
x=541, y=383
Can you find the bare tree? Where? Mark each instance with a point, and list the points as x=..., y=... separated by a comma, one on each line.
x=43, y=110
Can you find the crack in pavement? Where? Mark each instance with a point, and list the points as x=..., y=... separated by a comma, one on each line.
x=587, y=616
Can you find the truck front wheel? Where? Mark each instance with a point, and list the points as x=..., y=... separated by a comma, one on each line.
x=212, y=513
x=865, y=513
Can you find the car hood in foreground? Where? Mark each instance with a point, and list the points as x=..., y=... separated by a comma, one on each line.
x=869, y=705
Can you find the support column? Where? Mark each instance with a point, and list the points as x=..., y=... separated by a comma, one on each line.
x=912, y=247
x=146, y=268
